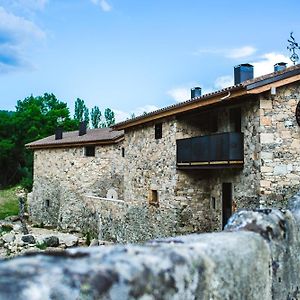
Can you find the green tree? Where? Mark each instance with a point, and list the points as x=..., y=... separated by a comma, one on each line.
x=36, y=118
x=81, y=111
x=8, y=163
x=109, y=117
x=96, y=117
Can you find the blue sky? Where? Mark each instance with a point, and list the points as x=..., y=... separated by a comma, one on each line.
x=135, y=56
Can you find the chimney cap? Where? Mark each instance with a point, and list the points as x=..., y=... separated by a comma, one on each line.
x=196, y=92
x=243, y=72
x=281, y=64
x=244, y=65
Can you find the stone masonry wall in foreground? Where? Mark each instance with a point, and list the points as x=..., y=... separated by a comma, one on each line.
x=257, y=257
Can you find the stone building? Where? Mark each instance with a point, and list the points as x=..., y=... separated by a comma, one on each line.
x=71, y=165
x=186, y=167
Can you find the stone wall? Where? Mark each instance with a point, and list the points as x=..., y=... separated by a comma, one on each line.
x=63, y=176
x=280, y=146
x=195, y=190
x=150, y=163
x=187, y=195
x=257, y=257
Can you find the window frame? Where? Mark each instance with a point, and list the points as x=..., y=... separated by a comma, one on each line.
x=90, y=151
x=158, y=131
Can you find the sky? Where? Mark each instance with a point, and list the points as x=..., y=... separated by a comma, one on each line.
x=136, y=55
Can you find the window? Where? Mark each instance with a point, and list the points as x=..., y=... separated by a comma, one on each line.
x=153, y=198
x=47, y=203
x=123, y=152
x=213, y=202
x=158, y=131
x=89, y=151
x=235, y=119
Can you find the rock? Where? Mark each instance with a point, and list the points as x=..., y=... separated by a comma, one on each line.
x=69, y=240
x=51, y=241
x=6, y=226
x=8, y=237
x=28, y=238
x=94, y=242
x=17, y=228
x=12, y=218
x=105, y=243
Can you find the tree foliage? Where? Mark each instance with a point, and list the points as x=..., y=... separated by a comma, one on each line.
x=109, y=117
x=96, y=117
x=36, y=118
x=81, y=111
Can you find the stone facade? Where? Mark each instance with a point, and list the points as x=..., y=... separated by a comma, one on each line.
x=151, y=165
x=159, y=198
x=280, y=146
x=63, y=176
x=197, y=190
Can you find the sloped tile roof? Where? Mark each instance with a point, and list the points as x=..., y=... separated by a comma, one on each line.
x=71, y=138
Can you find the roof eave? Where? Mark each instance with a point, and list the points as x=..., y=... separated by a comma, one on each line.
x=75, y=144
x=210, y=99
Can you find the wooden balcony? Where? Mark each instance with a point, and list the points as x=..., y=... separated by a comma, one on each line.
x=216, y=151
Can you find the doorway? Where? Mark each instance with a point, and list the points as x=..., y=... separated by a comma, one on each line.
x=226, y=202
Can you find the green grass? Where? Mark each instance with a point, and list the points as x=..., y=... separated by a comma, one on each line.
x=9, y=204
x=41, y=246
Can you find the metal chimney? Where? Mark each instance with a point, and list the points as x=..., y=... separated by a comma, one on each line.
x=280, y=66
x=82, y=128
x=242, y=73
x=59, y=133
x=195, y=92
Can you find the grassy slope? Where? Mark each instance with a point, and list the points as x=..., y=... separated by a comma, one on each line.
x=9, y=204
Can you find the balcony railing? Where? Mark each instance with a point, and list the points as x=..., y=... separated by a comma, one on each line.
x=220, y=150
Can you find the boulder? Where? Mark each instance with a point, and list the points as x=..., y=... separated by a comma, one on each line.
x=94, y=242
x=8, y=237
x=69, y=240
x=51, y=241
x=28, y=238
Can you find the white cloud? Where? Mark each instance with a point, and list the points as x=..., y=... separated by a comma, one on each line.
x=18, y=27
x=223, y=82
x=16, y=33
x=183, y=93
x=33, y=4
x=265, y=64
x=122, y=115
x=234, y=53
x=242, y=52
x=180, y=94
x=105, y=6
x=26, y=7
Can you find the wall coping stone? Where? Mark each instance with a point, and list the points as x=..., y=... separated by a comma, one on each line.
x=256, y=257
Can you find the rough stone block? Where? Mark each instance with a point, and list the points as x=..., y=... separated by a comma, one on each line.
x=267, y=138
x=266, y=104
x=282, y=169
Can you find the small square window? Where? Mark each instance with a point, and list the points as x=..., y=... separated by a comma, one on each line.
x=158, y=131
x=153, y=198
x=89, y=151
